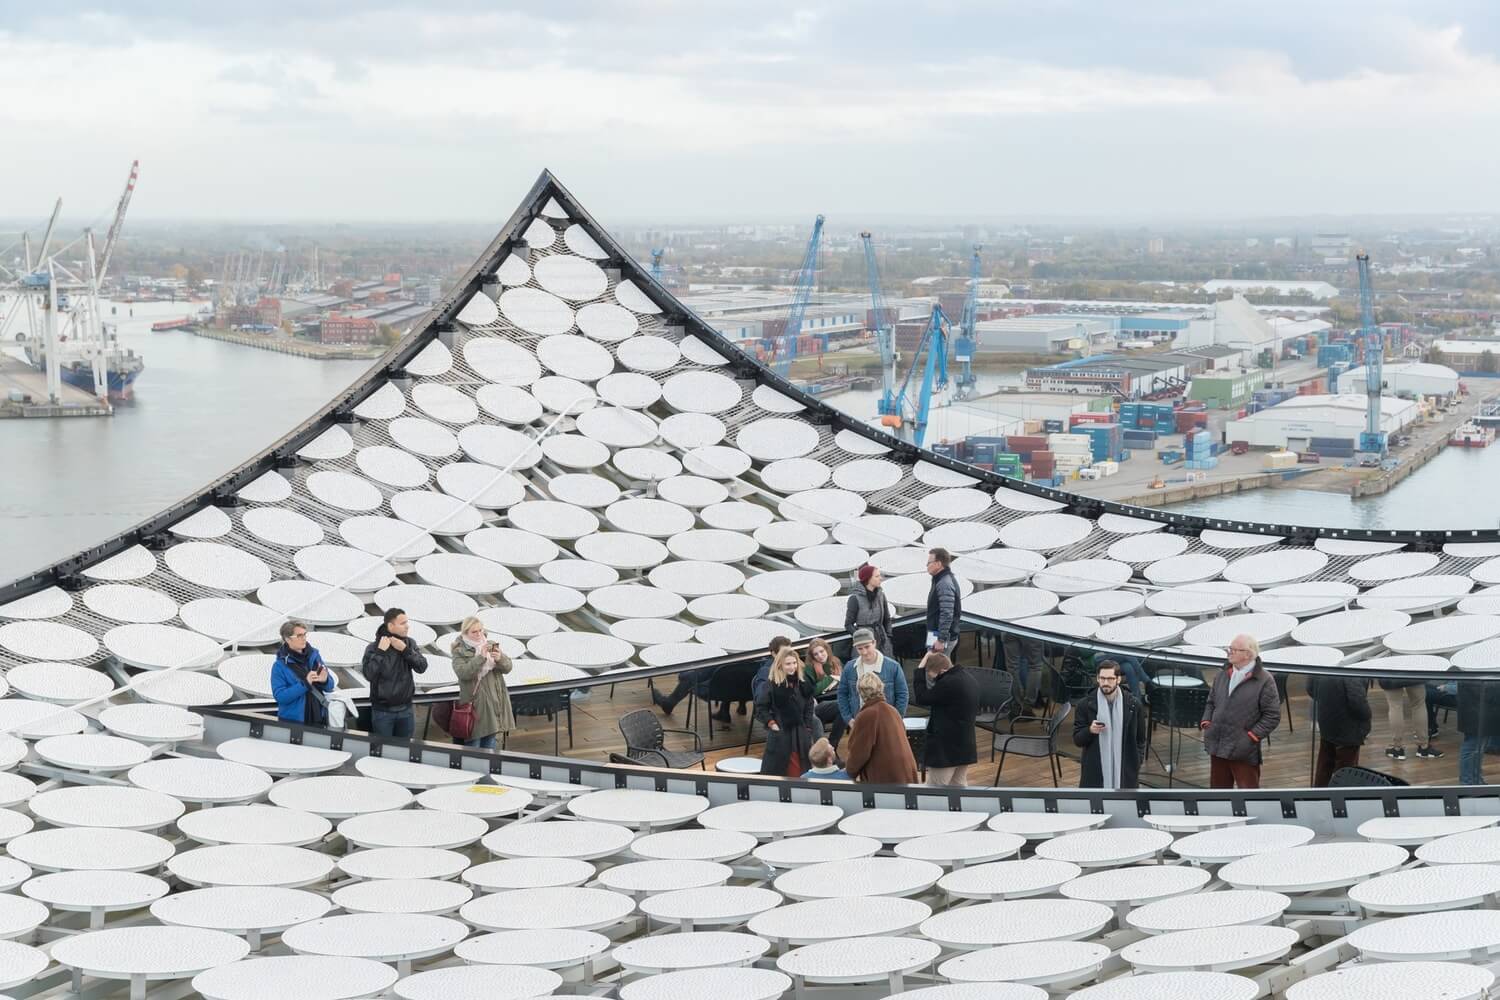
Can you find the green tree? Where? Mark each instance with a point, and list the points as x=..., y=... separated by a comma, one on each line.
x=388, y=334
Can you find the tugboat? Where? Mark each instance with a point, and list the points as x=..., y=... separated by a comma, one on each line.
x=1471, y=435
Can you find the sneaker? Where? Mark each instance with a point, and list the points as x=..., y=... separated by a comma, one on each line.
x=1396, y=753
x=662, y=703
x=1430, y=752
x=1432, y=733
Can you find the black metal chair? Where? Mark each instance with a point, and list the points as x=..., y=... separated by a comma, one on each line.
x=727, y=684
x=645, y=742
x=1033, y=745
x=1176, y=707
x=1363, y=777
x=997, y=690
x=552, y=705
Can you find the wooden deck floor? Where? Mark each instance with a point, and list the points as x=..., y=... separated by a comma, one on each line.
x=1288, y=763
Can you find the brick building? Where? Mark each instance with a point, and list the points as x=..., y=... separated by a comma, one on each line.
x=339, y=329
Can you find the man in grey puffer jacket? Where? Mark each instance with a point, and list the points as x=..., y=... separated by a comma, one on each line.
x=944, y=604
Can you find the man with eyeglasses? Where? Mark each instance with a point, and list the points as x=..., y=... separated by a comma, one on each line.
x=300, y=680
x=944, y=604
x=1108, y=726
x=1244, y=708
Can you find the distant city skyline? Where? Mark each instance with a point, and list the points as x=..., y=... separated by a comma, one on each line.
x=391, y=111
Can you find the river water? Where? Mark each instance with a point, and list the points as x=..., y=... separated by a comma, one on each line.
x=203, y=406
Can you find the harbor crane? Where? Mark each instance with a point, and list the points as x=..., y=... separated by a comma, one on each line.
x=966, y=343
x=883, y=318
x=909, y=421
x=118, y=223
x=657, y=253
x=783, y=349
x=1372, y=442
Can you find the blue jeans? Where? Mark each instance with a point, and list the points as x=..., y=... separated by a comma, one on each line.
x=483, y=743
x=1471, y=760
x=398, y=723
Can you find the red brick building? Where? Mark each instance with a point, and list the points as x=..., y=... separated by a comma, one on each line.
x=339, y=329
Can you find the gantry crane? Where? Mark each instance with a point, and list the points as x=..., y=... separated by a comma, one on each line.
x=1372, y=443
x=883, y=319
x=783, y=349
x=909, y=421
x=966, y=343
x=656, y=269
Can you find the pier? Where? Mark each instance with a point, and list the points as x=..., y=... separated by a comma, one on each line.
x=287, y=345
x=16, y=376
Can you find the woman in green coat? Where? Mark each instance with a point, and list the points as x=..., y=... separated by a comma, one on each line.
x=481, y=670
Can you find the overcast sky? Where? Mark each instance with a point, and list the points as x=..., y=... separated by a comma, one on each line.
x=658, y=109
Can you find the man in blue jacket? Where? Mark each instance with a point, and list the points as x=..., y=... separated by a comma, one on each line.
x=868, y=659
x=299, y=679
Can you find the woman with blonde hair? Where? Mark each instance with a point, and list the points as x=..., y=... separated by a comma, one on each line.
x=785, y=706
x=823, y=672
x=879, y=751
x=481, y=670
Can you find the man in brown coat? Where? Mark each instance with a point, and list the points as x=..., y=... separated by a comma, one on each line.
x=878, y=750
x=1244, y=707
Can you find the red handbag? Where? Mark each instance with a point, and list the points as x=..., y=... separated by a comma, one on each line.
x=465, y=718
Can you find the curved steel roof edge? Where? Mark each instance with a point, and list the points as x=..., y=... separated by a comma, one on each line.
x=151, y=531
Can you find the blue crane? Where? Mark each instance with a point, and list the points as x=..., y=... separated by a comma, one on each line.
x=965, y=344
x=1372, y=442
x=934, y=379
x=884, y=320
x=657, y=254
x=783, y=349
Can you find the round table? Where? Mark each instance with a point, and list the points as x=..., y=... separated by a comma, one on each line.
x=1479, y=847
x=1001, y=880
x=528, y=873
x=689, y=950
x=695, y=845
x=1313, y=867
x=147, y=954
x=276, y=757
x=13, y=873
x=1172, y=986
x=20, y=916
x=558, y=839
x=403, y=862
x=254, y=824
x=565, y=908
x=384, y=937
x=892, y=826
x=770, y=820
x=96, y=893
x=720, y=983
x=1192, y=824
x=640, y=878
x=637, y=808
x=20, y=963
x=816, y=849
x=245, y=911
x=738, y=765
x=479, y=799
x=1101, y=848
x=973, y=991
x=1452, y=935
x=85, y=848
x=307, y=977
x=1056, y=965
x=479, y=982
x=985, y=925
x=1210, y=949
x=200, y=779
x=1044, y=826
x=1123, y=888
x=1216, y=847
x=251, y=865
x=836, y=919
x=91, y=752
x=549, y=949
x=711, y=906
x=339, y=796
x=1410, y=831
x=859, y=960
x=113, y=806
x=403, y=895
x=1427, y=889
x=1199, y=910
x=864, y=877
x=411, y=775
x=412, y=828
x=955, y=850
x=1396, y=981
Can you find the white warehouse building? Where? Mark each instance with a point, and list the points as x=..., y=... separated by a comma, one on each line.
x=1416, y=378
x=1292, y=423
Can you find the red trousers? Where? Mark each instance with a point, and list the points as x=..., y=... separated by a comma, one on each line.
x=1223, y=773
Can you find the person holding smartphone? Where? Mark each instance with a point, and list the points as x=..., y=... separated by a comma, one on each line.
x=481, y=668
x=1109, y=726
x=299, y=678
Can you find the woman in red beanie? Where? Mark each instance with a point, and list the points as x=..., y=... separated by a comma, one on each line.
x=868, y=608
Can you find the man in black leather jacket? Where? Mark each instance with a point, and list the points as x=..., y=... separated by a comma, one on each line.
x=388, y=665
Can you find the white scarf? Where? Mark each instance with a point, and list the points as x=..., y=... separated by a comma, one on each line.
x=1112, y=714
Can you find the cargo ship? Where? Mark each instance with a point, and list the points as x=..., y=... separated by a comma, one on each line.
x=168, y=325
x=121, y=365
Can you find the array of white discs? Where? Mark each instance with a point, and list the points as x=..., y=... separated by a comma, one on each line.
x=274, y=869
x=604, y=489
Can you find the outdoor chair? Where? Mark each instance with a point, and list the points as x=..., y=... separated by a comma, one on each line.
x=1034, y=745
x=645, y=742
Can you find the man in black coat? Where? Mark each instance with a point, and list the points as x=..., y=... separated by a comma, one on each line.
x=952, y=699
x=1343, y=705
x=388, y=665
x=1110, y=727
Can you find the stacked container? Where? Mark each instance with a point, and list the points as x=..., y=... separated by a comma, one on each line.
x=1200, y=450
x=1105, y=441
x=1043, y=465
x=1008, y=464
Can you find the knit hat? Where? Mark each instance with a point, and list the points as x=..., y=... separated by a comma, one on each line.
x=865, y=572
x=863, y=635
